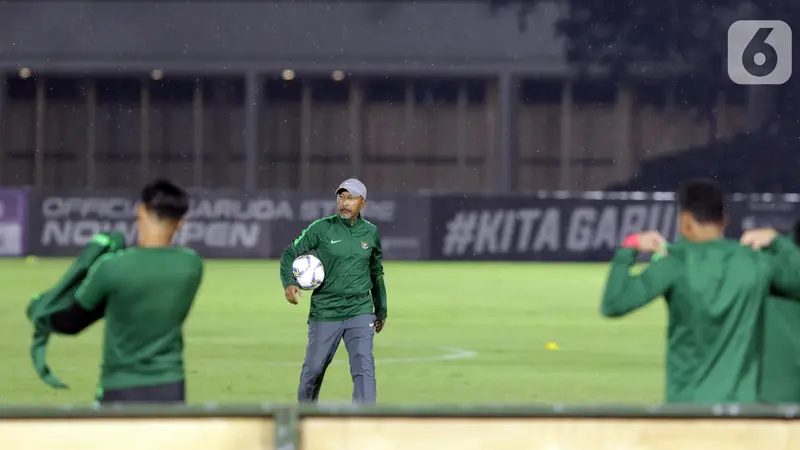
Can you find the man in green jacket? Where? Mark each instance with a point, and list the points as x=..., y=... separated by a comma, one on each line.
x=780, y=379
x=350, y=304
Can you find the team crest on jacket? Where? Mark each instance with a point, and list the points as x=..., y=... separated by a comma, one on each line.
x=364, y=245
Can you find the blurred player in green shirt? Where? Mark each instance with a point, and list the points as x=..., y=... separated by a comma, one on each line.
x=145, y=293
x=715, y=289
x=780, y=380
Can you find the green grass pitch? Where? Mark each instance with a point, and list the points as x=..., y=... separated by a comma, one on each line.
x=457, y=332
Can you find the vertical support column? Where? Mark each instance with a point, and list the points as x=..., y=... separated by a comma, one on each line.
x=490, y=162
x=197, y=132
x=409, y=119
x=39, y=141
x=252, y=108
x=508, y=108
x=355, y=109
x=462, y=100
x=670, y=114
x=306, y=105
x=91, y=133
x=287, y=429
x=721, y=115
x=623, y=110
x=144, y=130
x=565, y=177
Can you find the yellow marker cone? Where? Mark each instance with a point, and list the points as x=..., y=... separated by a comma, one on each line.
x=551, y=346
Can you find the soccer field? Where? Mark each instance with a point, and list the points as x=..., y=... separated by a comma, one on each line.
x=457, y=332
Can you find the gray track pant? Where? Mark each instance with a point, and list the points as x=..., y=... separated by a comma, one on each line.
x=323, y=341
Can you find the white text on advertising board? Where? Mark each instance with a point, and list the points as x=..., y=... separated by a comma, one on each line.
x=215, y=234
x=215, y=223
x=263, y=209
x=525, y=230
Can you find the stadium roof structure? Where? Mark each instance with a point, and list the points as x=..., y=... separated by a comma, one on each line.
x=435, y=38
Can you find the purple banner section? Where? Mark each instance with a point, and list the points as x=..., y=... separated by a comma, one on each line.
x=13, y=222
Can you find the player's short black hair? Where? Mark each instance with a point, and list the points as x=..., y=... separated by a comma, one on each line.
x=165, y=199
x=704, y=199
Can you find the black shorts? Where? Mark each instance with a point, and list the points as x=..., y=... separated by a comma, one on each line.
x=162, y=393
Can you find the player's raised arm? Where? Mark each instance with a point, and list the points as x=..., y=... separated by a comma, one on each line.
x=378, y=286
x=785, y=259
x=88, y=306
x=625, y=293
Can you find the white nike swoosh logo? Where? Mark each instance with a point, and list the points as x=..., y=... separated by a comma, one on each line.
x=335, y=242
x=372, y=324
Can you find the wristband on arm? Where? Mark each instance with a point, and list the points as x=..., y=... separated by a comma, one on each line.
x=631, y=241
x=657, y=256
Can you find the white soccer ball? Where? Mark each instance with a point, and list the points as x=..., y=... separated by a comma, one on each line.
x=308, y=272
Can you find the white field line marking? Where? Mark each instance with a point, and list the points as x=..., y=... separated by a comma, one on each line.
x=448, y=353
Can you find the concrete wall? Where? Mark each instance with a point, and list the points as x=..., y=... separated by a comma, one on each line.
x=136, y=434
x=548, y=434
x=337, y=433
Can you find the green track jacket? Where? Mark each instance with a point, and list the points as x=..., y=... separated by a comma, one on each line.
x=353, y=260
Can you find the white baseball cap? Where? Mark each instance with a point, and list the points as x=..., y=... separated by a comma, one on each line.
x=354, y=187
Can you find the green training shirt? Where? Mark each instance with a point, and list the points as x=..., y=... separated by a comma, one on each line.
x=353, y=260
x=780, y=379
x=148, y=294
x=715, y=293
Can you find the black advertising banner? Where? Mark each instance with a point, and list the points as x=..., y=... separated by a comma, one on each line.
x=530, y=228
x=220, y=224
x=574, y=229
x=762, y=211
x=229, y=224
x=401, y=221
